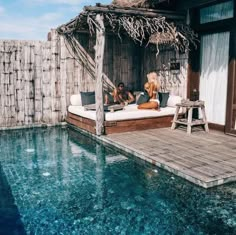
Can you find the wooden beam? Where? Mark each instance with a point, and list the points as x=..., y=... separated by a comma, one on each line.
x=172, y=15
x=140, y=9
x=99, y=49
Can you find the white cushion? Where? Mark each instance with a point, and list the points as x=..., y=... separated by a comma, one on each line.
x=173, y=100
x=76, y=100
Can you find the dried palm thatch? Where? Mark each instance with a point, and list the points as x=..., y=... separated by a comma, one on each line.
x=129, y=3
x=139, y=27
x=155, y=30
x=179, y=37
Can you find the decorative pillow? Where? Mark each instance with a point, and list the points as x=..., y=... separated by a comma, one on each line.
x=76, y=99
x=143, y=98
x=109, y=96
x=173, y=100
x=163, y=97
x=136, y=95
x=87, y=97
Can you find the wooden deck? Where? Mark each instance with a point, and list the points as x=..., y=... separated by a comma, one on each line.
x=206, y=159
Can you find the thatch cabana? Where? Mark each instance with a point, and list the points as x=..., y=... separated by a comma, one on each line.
x=143, y=25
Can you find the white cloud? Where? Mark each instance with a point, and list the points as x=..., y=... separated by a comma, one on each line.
x=17, y=24
x=66, y=2
x=50, y=17
x=30, y=28
x=2, y=10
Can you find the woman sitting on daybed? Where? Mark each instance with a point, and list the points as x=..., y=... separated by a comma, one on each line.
x=151, y=87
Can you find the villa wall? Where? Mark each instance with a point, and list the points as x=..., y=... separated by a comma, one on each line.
x=172, y=81
x=129, y=62
x=36, y=81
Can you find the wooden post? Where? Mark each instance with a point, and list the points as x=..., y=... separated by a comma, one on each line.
x=190, y=119
x=99, y=48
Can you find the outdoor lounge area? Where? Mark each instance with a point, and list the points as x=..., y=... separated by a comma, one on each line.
x=121, y=55
x=127, y=118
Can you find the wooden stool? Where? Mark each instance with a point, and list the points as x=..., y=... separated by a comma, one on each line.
x=190, y=122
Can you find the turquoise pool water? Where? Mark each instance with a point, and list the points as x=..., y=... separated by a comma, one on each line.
x=57, y=181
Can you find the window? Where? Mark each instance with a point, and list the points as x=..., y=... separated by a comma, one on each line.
x=217, y=12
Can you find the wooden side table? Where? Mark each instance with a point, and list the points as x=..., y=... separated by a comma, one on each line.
x=190, y=122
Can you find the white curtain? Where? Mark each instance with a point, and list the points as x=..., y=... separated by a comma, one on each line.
x=214, y=75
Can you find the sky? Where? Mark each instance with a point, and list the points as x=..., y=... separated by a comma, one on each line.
x=33, y=19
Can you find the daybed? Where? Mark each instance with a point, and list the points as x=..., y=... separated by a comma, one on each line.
x=128, y=119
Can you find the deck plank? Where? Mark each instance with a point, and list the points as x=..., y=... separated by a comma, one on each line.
x=206, y=159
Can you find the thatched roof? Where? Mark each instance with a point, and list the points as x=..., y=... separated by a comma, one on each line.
x=141, y=24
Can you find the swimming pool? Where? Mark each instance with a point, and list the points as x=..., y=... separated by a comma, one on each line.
x=57, y=181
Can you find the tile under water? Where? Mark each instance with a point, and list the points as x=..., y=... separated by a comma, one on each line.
x=57, y=181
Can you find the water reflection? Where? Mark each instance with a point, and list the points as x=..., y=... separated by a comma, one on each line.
x=10, y=220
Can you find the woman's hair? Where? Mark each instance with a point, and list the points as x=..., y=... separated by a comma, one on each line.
x=153, y=77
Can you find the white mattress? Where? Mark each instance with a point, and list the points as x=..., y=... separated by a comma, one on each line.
x=129, y=112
